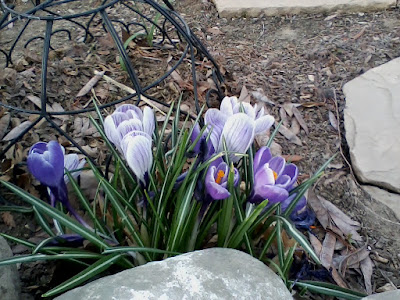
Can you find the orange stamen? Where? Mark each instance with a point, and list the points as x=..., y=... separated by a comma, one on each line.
x=220, y=175
x=275, y=175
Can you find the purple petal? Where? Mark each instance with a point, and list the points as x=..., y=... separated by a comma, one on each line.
x=264, y=123
x=262, y=157
x=283, y=181
x=139, y=156
x=273, y=193
x=148, y=121
x=300, y=206
x=215, y=120
x=277, y=164
x=238, y=133
x=264, y=176
x=216, y=191
x=292, y=171
x=47, y=166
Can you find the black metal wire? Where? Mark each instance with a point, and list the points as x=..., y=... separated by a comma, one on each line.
x=170, y=27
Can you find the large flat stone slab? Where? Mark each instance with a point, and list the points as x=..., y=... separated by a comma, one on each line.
x=229, y=8
x=211, y=274
x=389, y=199
x=372, y=123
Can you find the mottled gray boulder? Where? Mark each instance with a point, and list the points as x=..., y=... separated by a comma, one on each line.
x=391, y=295
x=10, y=285
x=211, y=274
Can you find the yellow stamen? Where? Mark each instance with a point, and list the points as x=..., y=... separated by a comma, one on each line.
x=220, y=175
x=275, y=175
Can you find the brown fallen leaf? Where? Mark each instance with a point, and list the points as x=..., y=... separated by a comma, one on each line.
x=289, y=135
x=38, y=102
x=295, y=126
x=366, y=267
x=333, y=120
x=317, y=245
x=90, y=84
x=328, y=248
x=8, y=219
x=261, y=97
x=4, y=123
x=292, y=158
x=320, y=211
x=214, y=31
x=300, y=119
x=284, y=117
x=16, y=131
x=244, y=95
x=312, y=104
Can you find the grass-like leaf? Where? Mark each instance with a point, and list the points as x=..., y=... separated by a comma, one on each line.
x=329, y=289
x=95, y=269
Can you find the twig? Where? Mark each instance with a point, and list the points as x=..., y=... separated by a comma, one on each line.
x=131, y=91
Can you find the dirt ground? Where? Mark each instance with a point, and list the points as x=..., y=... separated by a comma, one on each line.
x=300, y=59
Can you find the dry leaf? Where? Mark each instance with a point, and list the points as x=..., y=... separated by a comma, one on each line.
x=289, y=135
x=292, y=158
x=8, y=219
x=295, y=126
x=300, y=119
x=284, y=118
x=261, y=97
x=90, y=84
x=214, y=31
x=4, y=123
x=366, y=267
x=312, y=104
x=317, y=245
x=328, y=248
x=244, y=95
x=320, y=211
x=16, y=131
x=36, y=100
x=333, y=120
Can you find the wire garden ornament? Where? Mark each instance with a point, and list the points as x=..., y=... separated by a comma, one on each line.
x=65, y=22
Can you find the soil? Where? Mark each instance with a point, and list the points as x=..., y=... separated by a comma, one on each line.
x=300, y=59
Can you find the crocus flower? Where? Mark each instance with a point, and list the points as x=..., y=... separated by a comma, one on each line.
x=216, y=181
x=237, y=123
x=126, y=118
x=302, y=216
x=46, y=162
x=273, y=178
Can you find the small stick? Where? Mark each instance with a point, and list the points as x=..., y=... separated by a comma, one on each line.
x=131, y=91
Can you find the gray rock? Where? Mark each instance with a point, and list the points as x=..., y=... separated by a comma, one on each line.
x=391, y=295
x=389, y=199
x=253, y=8
x=372, y=122
x=10, y=285
x=209, y=274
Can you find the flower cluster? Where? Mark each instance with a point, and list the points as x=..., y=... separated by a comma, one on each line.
x=131, y=131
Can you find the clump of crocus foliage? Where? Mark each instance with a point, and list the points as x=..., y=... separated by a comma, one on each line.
x=171, y=187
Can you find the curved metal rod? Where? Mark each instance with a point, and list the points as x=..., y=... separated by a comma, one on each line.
x=41, y=38
x=6, y=55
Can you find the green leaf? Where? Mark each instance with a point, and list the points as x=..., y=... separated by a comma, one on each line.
x=329, y=289
x=138, y=249
x=237, y=235
x=95, y=269
x=298, y=236
x=46, y=209
x=19, y=209
x=36, y=257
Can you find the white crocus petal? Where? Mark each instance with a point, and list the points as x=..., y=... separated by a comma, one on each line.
x=139, y=156
x=132, y=111
x=72, y=163
x=111, y=123
x=131, y=135
x=148, y=121
x=245, y=107
x=129, y=125
x=215, y=120
x=264, y=123
x=238, y=133
x=259, y=111
x=227, y=105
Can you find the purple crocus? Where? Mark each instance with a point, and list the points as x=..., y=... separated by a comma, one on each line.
x=46, y=162
x=273, y=177
x=236, y=123
x=216, y=181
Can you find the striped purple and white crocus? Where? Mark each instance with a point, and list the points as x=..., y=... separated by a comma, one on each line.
x=236, y=123
x=130, y=129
